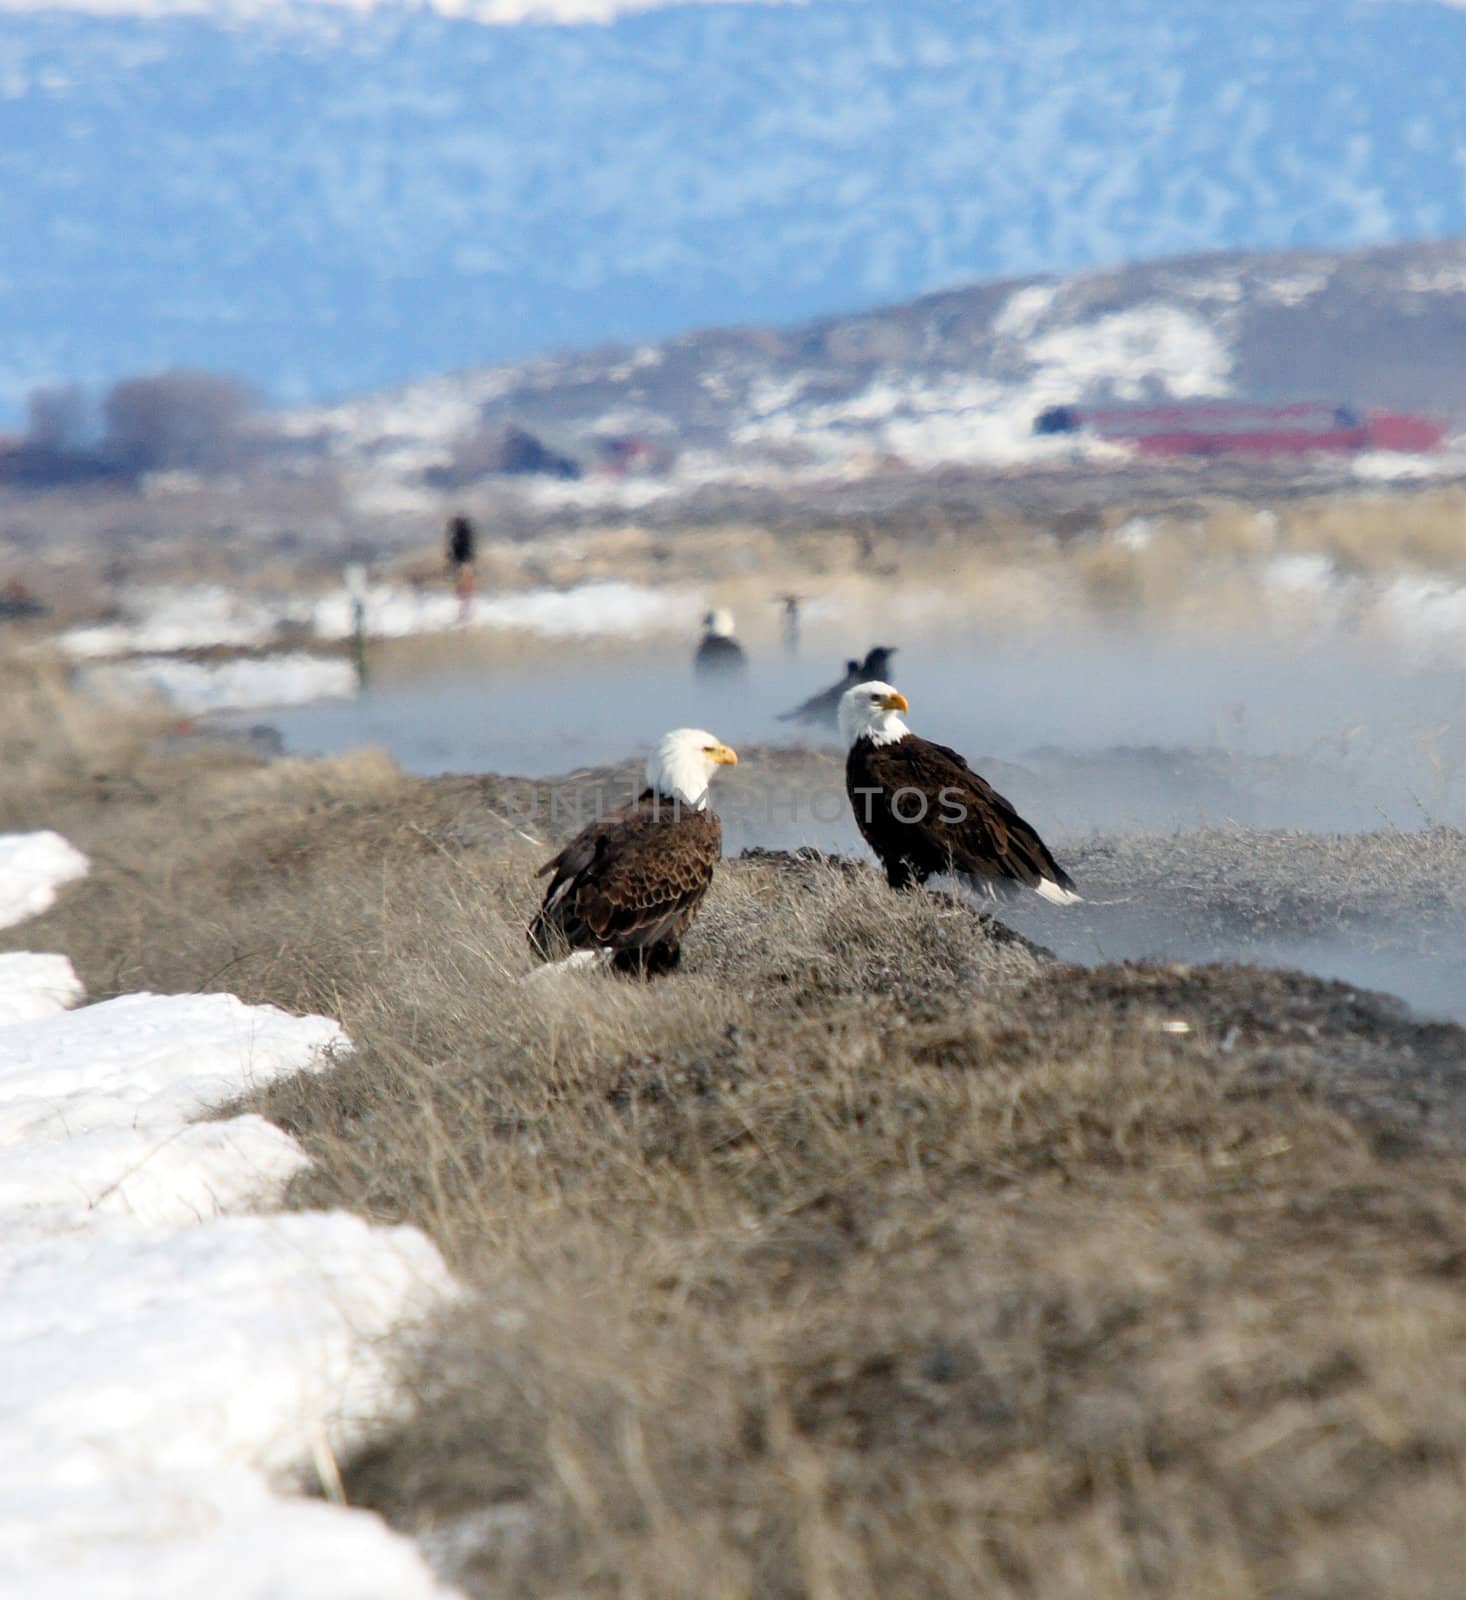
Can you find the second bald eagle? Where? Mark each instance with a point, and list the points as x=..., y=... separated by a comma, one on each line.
x=924, y=811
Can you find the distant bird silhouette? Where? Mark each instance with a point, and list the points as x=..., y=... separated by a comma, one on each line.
x=824, y=708
x=719, y=657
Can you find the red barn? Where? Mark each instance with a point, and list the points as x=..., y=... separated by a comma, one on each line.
x=1235, y=427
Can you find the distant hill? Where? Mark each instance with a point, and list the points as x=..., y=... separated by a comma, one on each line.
x=953, y=378
x=323, y=199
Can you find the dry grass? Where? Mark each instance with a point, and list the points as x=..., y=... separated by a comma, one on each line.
x=870, y=1255
x=54, y=741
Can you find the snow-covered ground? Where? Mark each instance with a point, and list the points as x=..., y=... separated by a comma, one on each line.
x=33, y=986
x=32, y=867
x=589, y=609
x=197, y=687
x=156, y=621
x=169, y=1372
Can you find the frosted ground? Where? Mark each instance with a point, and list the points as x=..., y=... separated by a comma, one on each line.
x=174, y=1366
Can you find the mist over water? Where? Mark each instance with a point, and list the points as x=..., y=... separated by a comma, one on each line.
x=1093, y=736
x=1106, y=731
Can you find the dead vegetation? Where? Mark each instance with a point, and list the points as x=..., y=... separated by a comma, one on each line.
x=873, y=1254
x=52, y=742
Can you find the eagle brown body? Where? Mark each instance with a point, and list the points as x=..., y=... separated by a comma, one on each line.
x=629, y=884
x=924, y=811
x=626, y=887
x=966, y=828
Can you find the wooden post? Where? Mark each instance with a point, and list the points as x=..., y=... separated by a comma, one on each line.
x=791, y=624
x=356, y=588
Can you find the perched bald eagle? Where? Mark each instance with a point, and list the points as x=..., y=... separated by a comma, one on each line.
x=824, y=707
x=624, y=890
x=719, y=656
x=923, y=810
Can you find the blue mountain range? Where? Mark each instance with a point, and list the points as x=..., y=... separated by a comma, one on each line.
x=325, y=201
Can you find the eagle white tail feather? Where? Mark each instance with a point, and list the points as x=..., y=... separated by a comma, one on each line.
x=1053, y=893
x=572, y=963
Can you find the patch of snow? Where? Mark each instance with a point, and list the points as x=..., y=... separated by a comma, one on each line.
x=158, y=1385
x=32, y=867
x=1437, y=279
x=1024, y=310
x=202, y=686
x=33, y=986
x=626, y=494
x=168, y=1373
x=767, y=396
x=643, y=357
x=1386, y=466
x=1223, y=288
x=175, y=619
x=588, y=609
x=1293, y=288
x=95, y=1105
x=1161, y=346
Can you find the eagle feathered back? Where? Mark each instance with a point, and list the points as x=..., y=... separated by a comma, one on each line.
x=966, y=827
x=629, y=884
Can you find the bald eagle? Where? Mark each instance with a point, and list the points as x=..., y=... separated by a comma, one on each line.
x=624, y=890
x=923, y=810
x=824, y=707
x=719, y=656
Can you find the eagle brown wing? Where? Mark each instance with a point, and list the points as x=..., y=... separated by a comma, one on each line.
x=629, y=883
x=964, y=825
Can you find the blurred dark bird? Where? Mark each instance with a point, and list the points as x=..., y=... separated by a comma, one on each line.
x=719, y=656
x=924, y=811
x=824, y=708
x=624, y=890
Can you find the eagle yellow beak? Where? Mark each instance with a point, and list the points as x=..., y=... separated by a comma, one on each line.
x=895, y=701
x=722, y=755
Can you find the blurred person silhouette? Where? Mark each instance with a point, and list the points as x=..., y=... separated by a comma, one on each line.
x=462, y=550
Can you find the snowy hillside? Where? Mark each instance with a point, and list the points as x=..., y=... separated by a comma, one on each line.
x=949, y=378
x=326, y=198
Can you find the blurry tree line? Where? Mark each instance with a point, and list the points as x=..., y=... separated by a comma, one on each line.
x=167, y=422
x=207, y=423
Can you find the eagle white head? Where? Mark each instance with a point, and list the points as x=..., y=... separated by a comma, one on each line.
x=683, y=763
x=871, y=711
x=719, y=623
